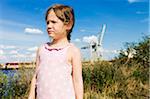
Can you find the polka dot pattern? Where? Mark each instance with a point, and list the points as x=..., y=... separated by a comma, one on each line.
x=54, y=80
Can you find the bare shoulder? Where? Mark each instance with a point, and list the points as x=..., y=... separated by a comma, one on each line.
x=41, y=46
x=38, y=49
x=74, y=51
x=75, y=58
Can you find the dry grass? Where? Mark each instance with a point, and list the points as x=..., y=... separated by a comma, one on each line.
x=102, y=80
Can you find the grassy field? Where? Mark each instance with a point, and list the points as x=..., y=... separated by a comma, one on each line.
x=121, y=78
x=102, y=80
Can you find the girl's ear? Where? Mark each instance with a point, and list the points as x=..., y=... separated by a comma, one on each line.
x=69, y=25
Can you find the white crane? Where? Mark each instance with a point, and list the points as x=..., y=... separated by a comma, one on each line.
x=96, y=46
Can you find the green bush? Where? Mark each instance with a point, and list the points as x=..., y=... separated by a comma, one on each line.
x=113, y=81
x=16, y=85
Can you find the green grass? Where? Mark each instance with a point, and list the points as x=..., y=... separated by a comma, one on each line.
x=102, y=80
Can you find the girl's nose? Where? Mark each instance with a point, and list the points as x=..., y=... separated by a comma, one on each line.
x=49, y=25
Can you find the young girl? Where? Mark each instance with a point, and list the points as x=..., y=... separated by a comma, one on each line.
x=58, y=65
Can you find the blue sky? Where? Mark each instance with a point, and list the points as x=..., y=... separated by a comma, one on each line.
x=23, y=28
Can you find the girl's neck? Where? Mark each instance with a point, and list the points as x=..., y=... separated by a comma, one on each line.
x=59, y=42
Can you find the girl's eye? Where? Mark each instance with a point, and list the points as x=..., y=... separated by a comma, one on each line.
x=47, y=22
x=53, y=21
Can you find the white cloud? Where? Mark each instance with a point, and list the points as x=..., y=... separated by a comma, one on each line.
x=33, y=31
x=13, y=23
x=77, y=40
x=141, y=12
x=134, y=1
x=82, y=30
x=19, y=56
x=90, y=39
x=3, y=58
x=145, y=20
x=39, y=9
x=102, y=50
x=115, y=51
x=7, y=47
x=110, y=51
x=33, y=55
x=13, y=52
x=33, y=48
x=1, y=52
x=12, y=55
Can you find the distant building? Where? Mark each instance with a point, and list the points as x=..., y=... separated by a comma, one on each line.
x=18, y=65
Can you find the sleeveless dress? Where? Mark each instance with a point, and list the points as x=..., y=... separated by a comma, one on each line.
x=54, y=74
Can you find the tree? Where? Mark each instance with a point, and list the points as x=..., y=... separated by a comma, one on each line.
x=137, y=52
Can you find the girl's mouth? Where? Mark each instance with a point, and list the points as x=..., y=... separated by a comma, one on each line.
x=49, y=32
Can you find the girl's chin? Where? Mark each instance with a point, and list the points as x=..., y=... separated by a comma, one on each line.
x=49, y=35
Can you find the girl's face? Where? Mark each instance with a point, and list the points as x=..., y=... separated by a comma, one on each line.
x=55, y=27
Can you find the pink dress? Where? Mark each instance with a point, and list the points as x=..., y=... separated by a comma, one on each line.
x=54, y=75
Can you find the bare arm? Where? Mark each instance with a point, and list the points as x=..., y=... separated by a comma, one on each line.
x=77, y=73
x=33, y=81
x=32, y=88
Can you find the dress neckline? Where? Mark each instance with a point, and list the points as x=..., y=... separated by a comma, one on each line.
x=48, y=47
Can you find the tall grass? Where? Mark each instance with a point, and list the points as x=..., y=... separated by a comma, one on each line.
x=102, y=80
x=105, y=80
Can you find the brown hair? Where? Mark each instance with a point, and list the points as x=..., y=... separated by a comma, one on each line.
x=65, y=14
